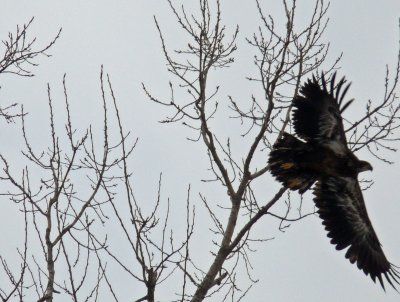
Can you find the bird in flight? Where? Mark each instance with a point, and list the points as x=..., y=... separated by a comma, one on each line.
x=320, y=154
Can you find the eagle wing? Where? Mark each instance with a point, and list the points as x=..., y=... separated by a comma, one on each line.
x=317, y=113
x=341, y=207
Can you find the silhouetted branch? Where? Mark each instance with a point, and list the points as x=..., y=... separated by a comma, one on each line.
x=18, y=57
x=376, y=130
x=20, y=51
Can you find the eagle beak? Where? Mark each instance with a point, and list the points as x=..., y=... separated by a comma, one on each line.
x=368, y=168
x=365, y=166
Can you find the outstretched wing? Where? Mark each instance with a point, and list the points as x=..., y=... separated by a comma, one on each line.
x=317, y=113
x=341, y=207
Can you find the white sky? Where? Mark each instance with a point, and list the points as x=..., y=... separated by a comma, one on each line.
x=300, y=264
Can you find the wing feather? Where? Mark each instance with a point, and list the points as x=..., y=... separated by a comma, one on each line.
x=317, y=113
x=341, y=207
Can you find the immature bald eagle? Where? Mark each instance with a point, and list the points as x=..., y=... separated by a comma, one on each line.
x=322, y=155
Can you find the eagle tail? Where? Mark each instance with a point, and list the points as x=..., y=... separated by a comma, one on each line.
x=286, y=165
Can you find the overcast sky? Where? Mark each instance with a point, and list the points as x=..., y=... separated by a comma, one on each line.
x=300, y=264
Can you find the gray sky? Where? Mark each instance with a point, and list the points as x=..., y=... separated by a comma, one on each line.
x=300, y=264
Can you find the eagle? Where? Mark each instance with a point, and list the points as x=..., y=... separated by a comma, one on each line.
x=320, y=154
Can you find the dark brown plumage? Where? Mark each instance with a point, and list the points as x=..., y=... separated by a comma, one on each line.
x=321, y=155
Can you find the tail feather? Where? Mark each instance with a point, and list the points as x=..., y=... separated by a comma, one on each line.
x=286, y=164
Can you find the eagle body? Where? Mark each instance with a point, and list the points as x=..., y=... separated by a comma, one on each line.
x=319, y=154
x=292, y=158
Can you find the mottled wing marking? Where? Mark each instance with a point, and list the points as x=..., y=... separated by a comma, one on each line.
x=295, y=182
x=330, y=133
x=341, y=207
x=287, y=166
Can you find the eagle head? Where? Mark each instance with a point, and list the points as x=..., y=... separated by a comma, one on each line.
x=363, y=166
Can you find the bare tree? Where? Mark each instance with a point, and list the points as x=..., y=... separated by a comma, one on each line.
x=284, y=58
x=60, y=213
x=18, y=58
